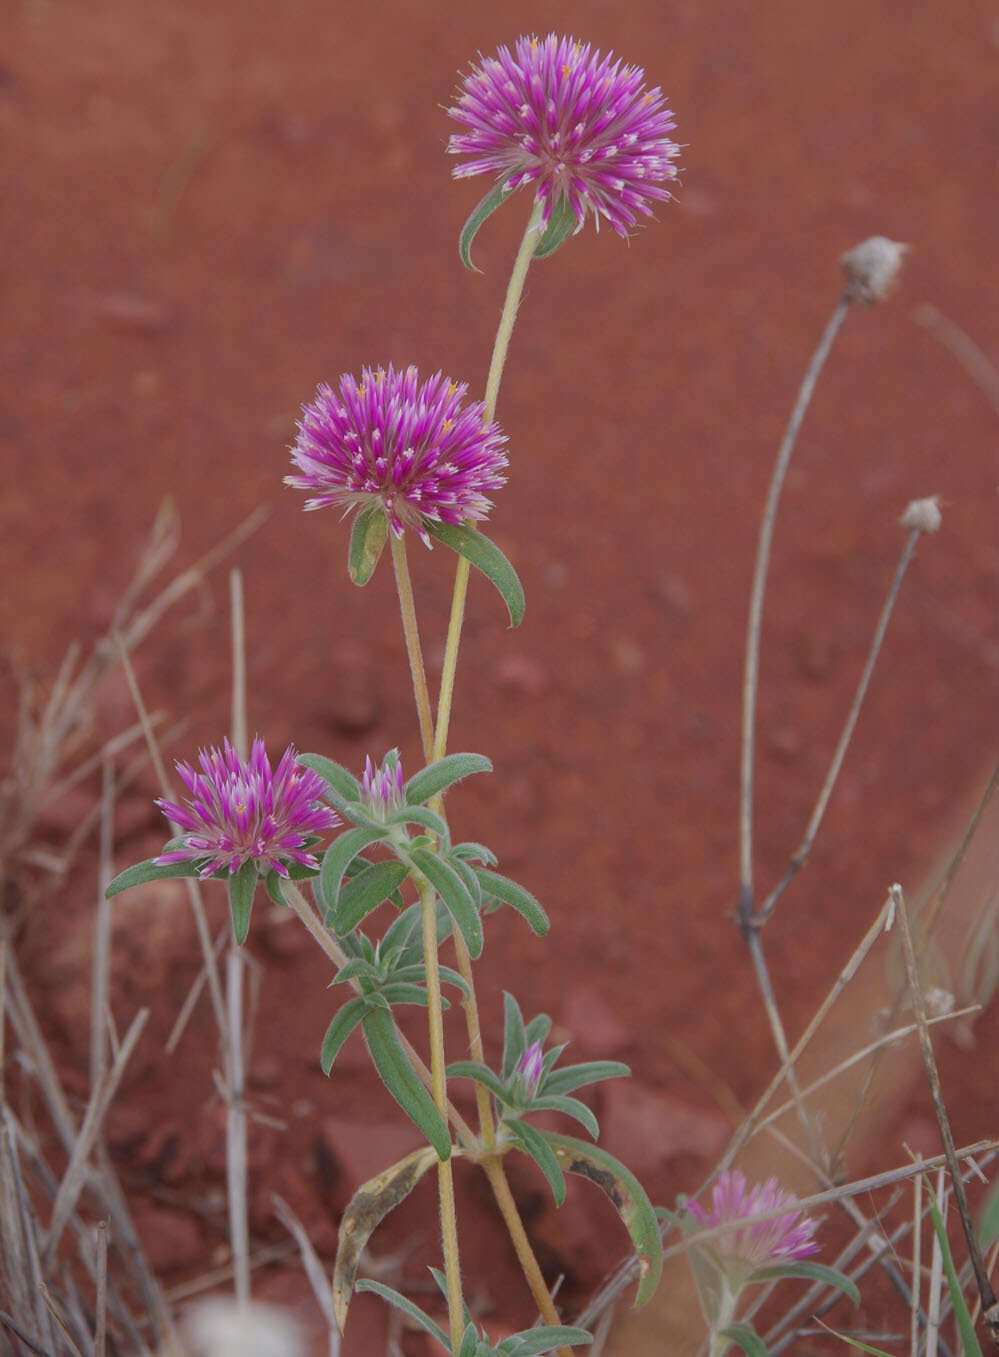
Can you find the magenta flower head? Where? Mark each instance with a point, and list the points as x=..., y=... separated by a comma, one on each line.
x=749, y=1246
x=382, y=787
x=577, y=125
x=411, y=449
x=239, y=813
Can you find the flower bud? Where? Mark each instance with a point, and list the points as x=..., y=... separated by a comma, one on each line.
x=529, y=1068
x=381, y=788
x=871, y=269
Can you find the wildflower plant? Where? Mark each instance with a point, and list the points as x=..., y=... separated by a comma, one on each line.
x=391, y=884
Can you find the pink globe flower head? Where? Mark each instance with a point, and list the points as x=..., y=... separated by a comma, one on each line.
x=243, y=812
x=382, y=787
x=410, y=448
x=579, y=126
x=747, y=1245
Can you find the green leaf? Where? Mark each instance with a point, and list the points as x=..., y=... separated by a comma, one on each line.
x=401, y=1303
x=344, y=786
x=532, y=1142
x=242, y=887
x=419, y=815
x=367, y=541
x=854, y=1342
x=356, y=968
x=537, y=1029
x=451, y=977
x=365, y=892
x=514, y=1041
x=338, y=857
x=470, y=230
x=474, y=852
x=403, y=931
x=468, y=876
x=569, y=1107
x=148, y=871
x=485, y=556
x=272, y=885
x=629, y=1198
x=813, y=1272
x=516, y=897
x=339, y=1030
x=398, y=992
x=746, y=1337
x=561, y=224
x=401, y=1080
x=437, y=777
x=545, y=1338
x=988, y=1221
x=577, y=1076
x=482, y=1074
x=469, y=1342
x=965, y=1327
x=454, y=895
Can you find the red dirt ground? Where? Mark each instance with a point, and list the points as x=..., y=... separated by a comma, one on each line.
x=213, y=208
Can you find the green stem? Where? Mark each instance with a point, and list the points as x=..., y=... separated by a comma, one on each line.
x=501, y=344
x=445, y=1180
x=414, y=650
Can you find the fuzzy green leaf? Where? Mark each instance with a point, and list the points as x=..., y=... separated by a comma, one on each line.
x=345, y=786
x=813, y=1272
x=338, y=857
x=365, y=892
x=454, y=896
x=487, y=557
x=242, y=888
x=148, y=871
x=545, y=1338
x=514, y=1040
x=746, y=1337
x=516, y=897
x=437, y=777
x=561, y=225
x=400, y=1079
x=482, y=1074
x=569, y=1107
x=485, y=209
x=591, y=1072
x=474, y=852
x=344, y=1022
x=532, y=1142
x=420, y=815
x=468, y=876
x=398, y=992
x=629, y=1199
x=367, y=542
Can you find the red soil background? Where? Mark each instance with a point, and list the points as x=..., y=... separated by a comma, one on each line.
x=211, y=208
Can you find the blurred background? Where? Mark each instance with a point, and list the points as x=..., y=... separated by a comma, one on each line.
x=212, y=207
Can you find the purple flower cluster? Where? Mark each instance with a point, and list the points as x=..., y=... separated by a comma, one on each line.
x=238, y=813
x=780, y=1239
x=411, y=449
x=382, y=787
x=577, y=125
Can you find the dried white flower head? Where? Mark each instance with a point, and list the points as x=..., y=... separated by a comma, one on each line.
x=872, y=269
x=923, y=514
x=218, y=1327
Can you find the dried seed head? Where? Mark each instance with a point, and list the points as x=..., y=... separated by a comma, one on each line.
x=871, y=269
x=923, y=515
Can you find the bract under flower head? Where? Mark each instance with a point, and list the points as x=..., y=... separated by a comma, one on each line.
x=780, y=1239
x=409, y=448
x=239, y=813
x=577, y=125
x=382, y=787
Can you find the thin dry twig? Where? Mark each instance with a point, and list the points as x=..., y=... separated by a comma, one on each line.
x=314, y=1269
x=985, y=1291
x=973, y=359
x=101, y=1306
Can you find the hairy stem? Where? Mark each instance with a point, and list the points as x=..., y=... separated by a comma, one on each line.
x=414, y=650
x=501, y=344
x=445, y=1179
